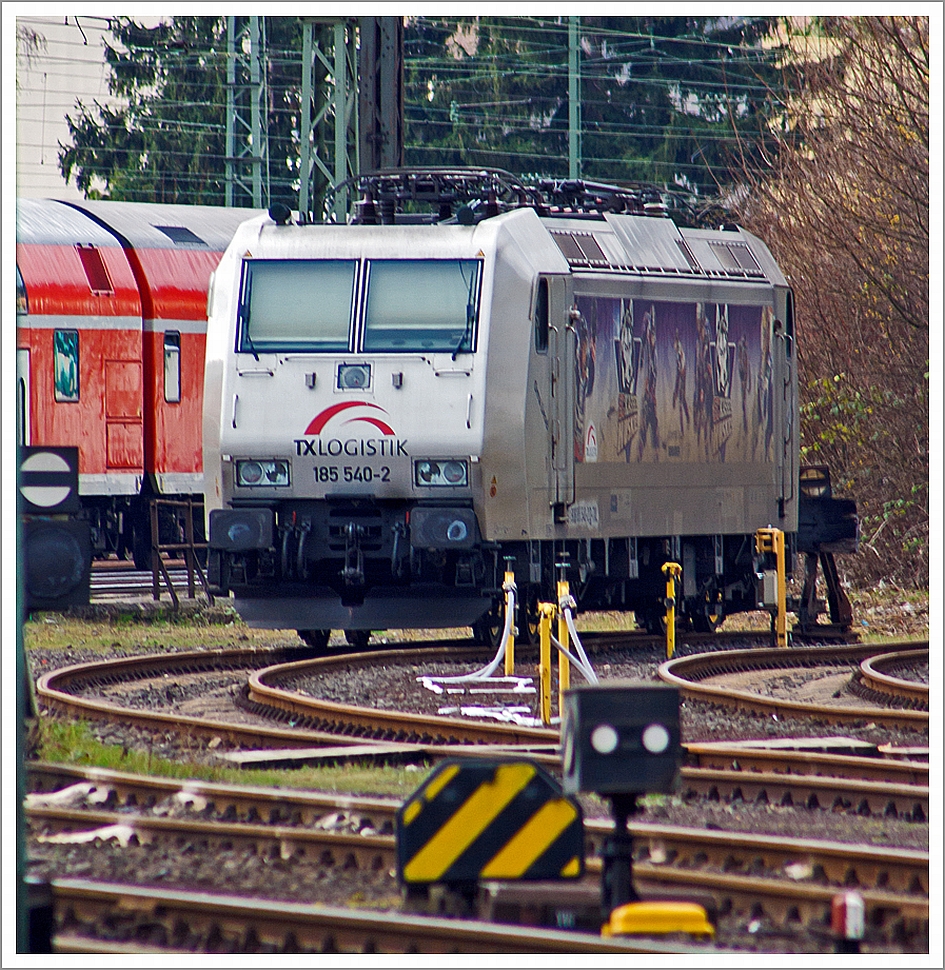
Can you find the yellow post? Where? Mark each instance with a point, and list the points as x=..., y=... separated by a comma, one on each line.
x=672, y=571
x=564, y=665
x=545, y=613
x=509, y=587
x=772, y=541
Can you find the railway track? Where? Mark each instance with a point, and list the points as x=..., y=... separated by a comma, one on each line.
x=788, y=880
x=878, y=681
x=741, y=874
x=313, y=730
x=118, y=581
x=153, y=920
x=709, y=677
x=271, y=676
x=364, y=827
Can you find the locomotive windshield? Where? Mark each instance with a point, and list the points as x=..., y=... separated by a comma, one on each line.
x=422, y=305
x=298, y=304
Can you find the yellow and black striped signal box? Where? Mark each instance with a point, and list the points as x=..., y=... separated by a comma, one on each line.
x=475, y=820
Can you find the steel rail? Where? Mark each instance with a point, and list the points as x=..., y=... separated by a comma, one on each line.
x=667, y=847
x=688, y=674
x=264, y=688
x=874, y=679
x=749, y=757
x=189, y=919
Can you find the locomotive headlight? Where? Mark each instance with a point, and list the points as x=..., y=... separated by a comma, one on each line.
x=262, y=472
x=433, y=474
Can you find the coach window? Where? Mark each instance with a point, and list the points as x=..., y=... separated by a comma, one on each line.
x=301, y=305
x=541, y=317
x=95, y=272
x=66, y=365
x=22, y=303
x=422, y=305
x=172, y=367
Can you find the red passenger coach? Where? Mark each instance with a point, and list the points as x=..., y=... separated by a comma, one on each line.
x=111, y=332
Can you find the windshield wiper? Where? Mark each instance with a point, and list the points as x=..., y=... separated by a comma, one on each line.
x=244, y=317
x=470, y=316
x=467, y=333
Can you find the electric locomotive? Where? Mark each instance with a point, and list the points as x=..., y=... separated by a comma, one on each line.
x=544, y=380
x=111, y=326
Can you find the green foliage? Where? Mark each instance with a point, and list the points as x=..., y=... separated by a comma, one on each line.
x=167, y=140
x=662, y=98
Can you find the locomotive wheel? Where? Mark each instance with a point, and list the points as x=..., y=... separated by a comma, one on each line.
x=528, y=621
x=709, y=614
x=141, y=545
x=487, y=630
x=653, y=620
x=317, y=639
x=358, y=638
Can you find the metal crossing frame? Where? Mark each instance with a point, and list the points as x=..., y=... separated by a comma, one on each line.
x=247, y=120
x=329, y=107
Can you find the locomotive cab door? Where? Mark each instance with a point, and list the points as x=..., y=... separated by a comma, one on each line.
x=788, y=417
x=557, y=293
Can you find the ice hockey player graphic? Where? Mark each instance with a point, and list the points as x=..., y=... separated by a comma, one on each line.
x=744, y=377
x=585, y=364
x=679, y=390
x=763, y=416
x=723, y=375
x=626, y=410
x=649, y=425
x=702, y=399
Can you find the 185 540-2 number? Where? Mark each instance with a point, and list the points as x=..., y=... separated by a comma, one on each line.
x=351, y=473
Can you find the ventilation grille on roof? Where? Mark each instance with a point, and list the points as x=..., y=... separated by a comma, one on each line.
x=180, y=234
x=580, y=249
x=736, y=258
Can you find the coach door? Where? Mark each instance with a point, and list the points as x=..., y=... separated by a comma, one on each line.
x=22, y=397
x=562, y=337
x=123, y=421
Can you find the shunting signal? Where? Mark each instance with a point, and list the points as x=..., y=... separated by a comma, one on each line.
x=489, y=820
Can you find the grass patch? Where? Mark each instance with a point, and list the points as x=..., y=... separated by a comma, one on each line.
x=75, y=743
x=123, y=632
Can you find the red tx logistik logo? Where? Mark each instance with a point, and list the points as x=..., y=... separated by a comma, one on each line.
x=317, y=424
x=350, y=446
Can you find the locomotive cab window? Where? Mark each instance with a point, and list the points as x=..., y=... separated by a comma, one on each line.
x=172, y=367
x=301, y=305
x=422, y=305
